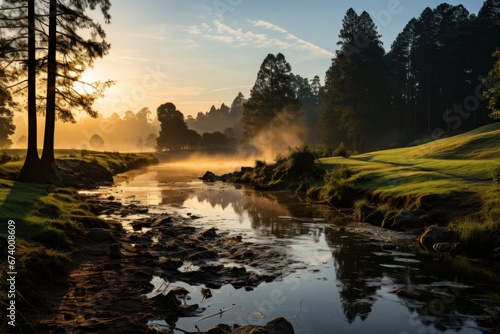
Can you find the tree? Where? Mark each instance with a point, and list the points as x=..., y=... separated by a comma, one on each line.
x=76, y=54
x=493, y=93
x=173, y=127
x=43, y=46
x=7, y=126
x=271, y=94
x=356, y=83
x=96, y=142
x=18, y=56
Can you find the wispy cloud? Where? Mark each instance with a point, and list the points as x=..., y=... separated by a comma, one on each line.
x=157, y=32
x=267, y=25
x=230, y=88
x=237, y=37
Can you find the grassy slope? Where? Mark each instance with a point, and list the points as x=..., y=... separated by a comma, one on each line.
x=450, y=178
x=444, y=167
x=48, y=217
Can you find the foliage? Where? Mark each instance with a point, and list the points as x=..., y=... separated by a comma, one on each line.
x=296, y=170
x=480, y=233
x=220, y=119
x=96, y=142
x=7, y=126
x=271, y=94
x=355, y=88
x=341, y=151
x=63, y=41
x=493, y=93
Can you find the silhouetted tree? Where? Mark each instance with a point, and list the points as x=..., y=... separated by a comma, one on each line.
x=357, y=82
x=173, y=127
x=76, y=54
x=96, y=142
x=44, y=42
x=271, y=94
x=7, y=126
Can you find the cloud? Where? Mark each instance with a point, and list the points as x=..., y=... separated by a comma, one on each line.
x=236, y=37
x=156, y=32
x=267, y=25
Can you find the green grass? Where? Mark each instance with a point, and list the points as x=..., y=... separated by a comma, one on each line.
x=48, y=218
x=454, y=180
x=448, y=166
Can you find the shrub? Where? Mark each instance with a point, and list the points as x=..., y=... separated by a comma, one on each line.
x=323, y=151
x=4, y=158
x=341, y=151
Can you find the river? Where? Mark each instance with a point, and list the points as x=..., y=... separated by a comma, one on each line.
x=342, y=278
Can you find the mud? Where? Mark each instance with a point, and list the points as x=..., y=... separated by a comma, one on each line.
x=112, y=272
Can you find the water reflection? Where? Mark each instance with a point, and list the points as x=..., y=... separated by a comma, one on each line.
x=437, y=296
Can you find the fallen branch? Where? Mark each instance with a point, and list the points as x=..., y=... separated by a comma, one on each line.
x=222, y=310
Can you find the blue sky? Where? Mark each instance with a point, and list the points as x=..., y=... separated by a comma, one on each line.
x=196, y=53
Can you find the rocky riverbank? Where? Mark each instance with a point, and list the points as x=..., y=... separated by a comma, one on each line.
x=109, y=286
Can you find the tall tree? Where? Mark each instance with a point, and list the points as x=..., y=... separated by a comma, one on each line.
x=357, y=81
x=271, y=94
x=76, y=54
x=401, y=78
x=18, y=27
x=425, y=64
x=44, y=46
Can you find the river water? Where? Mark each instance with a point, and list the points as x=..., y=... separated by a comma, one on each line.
x=343, y=279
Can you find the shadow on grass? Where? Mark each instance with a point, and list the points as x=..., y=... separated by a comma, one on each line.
x=18, y=204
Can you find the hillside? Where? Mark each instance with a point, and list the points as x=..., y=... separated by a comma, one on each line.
x=447, y=182
x=458, y=164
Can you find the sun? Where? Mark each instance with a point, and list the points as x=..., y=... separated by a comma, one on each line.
x=88, y=77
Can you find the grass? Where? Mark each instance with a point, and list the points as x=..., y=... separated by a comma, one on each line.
x=48, y=218
x=455, y=178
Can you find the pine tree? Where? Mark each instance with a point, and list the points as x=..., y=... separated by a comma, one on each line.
x=271, y=94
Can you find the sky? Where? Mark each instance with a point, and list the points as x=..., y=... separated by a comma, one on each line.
x=199, y=53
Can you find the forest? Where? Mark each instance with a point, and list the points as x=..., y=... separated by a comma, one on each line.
x=433, y=82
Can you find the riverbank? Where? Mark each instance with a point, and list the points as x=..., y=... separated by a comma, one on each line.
x=79, y=273
x=447, y=183
x=48, y=220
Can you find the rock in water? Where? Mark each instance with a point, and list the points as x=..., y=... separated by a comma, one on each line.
x=435, y=234
x=276, y=326
x=210, y=177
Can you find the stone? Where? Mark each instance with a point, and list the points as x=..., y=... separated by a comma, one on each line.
x=435, y=234
x=404, y=220
x=374, y=218
x=170, y=263
x=277, y=326
x=210, y=233
x=99, y=235
x=210, y=177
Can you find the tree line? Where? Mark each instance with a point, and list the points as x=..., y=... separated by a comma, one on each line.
x=430, y=83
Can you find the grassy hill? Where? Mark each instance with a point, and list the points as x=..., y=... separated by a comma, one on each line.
x=451, y=165
x=450, y=180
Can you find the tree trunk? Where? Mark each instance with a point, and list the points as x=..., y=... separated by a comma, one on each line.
x=31, y=171
x=50, y=116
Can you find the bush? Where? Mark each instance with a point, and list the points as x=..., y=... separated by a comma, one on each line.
x=4, y=158
x=323, y=151
x=341, y=151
